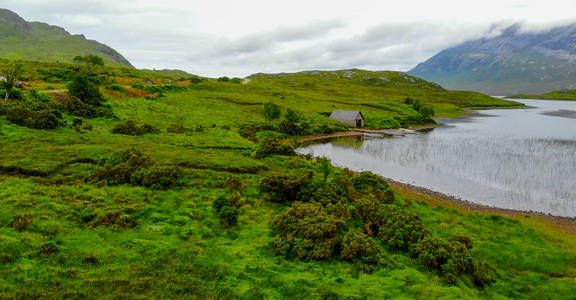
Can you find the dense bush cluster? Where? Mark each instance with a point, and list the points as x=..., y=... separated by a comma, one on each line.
x=130, y=127
x=352, y=217
x=42, y=119
x=272, y=146
x=426, y=111
x=133, y=167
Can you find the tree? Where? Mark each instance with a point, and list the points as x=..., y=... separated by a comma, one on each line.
x=10, y=74
x=271, y=112
x=82, y=88
x=292, y=116
x=91, y=61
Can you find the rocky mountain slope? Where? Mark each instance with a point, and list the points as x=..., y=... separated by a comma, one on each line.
x=37, y=41
x=517, y=61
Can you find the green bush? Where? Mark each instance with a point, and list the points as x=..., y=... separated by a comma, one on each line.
x=133, y=167
x=271, y=146
x=229, y=215
x=356, y=245
x=18, y=115
x=368, y=181
x=118, y=169
x=401, y=229
x=156, y=177
x=285, y=189
x=131, y=128
x=314, y=231
x=82, y=88
x=43, y=120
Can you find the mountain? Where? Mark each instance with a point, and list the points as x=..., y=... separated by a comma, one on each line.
x=37, y=41
x=514, y=62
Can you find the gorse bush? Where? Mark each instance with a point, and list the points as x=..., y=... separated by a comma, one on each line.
x=133, y=167
x=130, y=127
x=348, y=215
x=42, y=119
x=271, y=146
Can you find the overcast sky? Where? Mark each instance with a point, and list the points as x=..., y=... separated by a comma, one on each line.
x=238, y=38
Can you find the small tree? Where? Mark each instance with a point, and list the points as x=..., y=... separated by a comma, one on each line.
x=10, y=74
x=91, y=61
x=82, y=88
x=271, y=112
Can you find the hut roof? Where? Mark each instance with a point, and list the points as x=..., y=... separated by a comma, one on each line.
x=346, y=115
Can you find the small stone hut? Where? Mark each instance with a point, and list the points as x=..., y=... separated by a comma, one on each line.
x=352, y=118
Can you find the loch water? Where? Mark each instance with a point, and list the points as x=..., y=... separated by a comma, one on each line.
x=523, y=159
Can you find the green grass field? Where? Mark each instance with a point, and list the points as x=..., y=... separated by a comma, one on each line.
x=65, y=235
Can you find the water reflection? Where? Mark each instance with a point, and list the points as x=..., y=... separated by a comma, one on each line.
x=518, y=159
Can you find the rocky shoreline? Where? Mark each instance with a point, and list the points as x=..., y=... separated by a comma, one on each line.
x=434, y=198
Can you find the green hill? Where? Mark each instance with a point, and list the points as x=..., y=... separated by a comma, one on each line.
x=35, y=41
x=183, y=191
x=568, y=95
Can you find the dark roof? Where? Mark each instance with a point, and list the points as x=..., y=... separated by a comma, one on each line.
x=345, y=115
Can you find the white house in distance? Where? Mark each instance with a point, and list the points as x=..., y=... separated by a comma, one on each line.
x=352, y=118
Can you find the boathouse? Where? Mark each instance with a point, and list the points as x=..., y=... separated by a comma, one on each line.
x=352, y=118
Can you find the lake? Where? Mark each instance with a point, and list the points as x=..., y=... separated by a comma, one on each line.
x=523, y=159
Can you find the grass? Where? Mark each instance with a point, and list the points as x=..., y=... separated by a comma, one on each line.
x=88, y=240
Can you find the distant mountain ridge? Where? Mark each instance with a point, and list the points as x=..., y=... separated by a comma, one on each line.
x=513, y=62
x=36, y=41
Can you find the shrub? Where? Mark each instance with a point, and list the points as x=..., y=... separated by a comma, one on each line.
x=356, y=245
x=156, y=177
x=284, y=189
x=224, y=79
x=229, y=215
x=272, y=146
x=18, y=115
x=82, y=88
x=118, y=169
x=401, y=229
x=314, y=230
x=80, y=126
x=450, y=259
x=132, y=167
x=248, y=132
x=131, y=128
x=44, y=120
x=368, y=181
x=289, y=128
x=292, y=116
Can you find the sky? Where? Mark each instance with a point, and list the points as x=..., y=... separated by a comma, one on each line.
x=238, y=38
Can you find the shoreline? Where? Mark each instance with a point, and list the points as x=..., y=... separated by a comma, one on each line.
x=436, y=199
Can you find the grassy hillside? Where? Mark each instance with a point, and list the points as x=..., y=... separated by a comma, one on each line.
x=37, y=41
x=569, y=95
x=90, y=212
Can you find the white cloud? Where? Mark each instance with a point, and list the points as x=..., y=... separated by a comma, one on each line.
x=237, y=38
